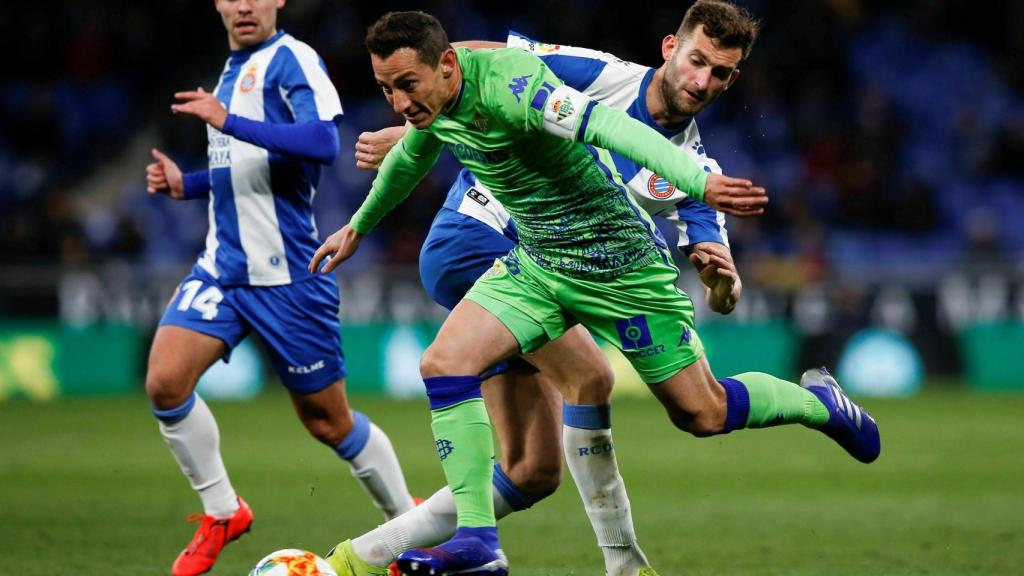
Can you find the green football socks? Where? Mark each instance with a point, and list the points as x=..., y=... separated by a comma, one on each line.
x=759, y=400
x=465, y=445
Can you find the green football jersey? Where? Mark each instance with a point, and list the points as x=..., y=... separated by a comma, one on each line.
x=518, y=129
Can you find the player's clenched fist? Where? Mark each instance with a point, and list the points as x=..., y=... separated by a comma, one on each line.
x=734, y=196
x=339, y=247
x=372, y=147
x=164, y=177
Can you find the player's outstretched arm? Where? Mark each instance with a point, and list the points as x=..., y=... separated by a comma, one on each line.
x=339, y=247
x=315, y=140
x=403, y=167
x=614, y=130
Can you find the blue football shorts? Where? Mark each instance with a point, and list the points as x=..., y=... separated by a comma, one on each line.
x=457, y=251
x=297, y=322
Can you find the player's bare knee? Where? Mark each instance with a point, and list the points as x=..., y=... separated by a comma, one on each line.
x=167, y=389
x=591, y=386
x=327, y=431
x=705, y=424
x=700, y=421
x=442, y=361
x=600, y=381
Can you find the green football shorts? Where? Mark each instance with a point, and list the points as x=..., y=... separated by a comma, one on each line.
x=642, y=312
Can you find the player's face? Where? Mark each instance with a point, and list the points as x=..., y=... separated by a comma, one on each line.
x=249, y=22
x=697, y=71
x=416, y=90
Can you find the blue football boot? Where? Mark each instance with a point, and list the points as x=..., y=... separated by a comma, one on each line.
x=464, y=555
x=848, y=424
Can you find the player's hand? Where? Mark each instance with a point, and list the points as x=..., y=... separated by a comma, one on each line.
x=372, y=147
x=339, y=247
x=717, y=271
x=164, y=177
x=734, y=196
x=201, y=104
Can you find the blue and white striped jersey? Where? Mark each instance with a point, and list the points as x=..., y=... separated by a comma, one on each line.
x=262, y=231
x=623, y=85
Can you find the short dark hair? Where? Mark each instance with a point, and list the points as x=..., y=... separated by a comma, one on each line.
x=417, y=30
x=728, y=24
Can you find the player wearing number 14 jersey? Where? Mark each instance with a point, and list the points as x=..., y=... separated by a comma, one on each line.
x=271, y=123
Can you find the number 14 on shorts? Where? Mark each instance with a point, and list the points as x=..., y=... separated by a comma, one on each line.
x=204, y=302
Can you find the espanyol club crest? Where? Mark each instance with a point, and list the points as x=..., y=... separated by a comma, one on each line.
x=659, y=187
x=248, y=81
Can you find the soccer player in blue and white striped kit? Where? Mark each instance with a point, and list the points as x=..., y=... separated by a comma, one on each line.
x=271, y=122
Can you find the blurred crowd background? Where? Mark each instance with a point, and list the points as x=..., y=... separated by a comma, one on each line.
x=889, y=135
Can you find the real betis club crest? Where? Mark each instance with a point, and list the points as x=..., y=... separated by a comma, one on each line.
x=563, y=108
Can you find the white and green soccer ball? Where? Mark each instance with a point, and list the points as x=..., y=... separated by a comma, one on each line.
x=292, y=562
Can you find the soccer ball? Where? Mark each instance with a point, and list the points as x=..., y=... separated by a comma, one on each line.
x=292, y=562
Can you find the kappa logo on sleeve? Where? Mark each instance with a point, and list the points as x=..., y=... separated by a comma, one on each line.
x=518, y=86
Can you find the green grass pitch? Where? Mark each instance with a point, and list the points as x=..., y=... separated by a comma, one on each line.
x=87, y=487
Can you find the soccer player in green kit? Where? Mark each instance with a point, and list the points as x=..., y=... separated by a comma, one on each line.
x=587, y=255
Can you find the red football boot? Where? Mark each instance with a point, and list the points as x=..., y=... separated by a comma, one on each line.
x=211, y=537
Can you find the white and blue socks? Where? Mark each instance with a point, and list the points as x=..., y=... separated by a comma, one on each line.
x=192, y=435
x=373, y=462
x=434, y=521
x=590, y=455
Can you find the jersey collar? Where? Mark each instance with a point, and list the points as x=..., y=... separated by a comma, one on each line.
x=244, y=53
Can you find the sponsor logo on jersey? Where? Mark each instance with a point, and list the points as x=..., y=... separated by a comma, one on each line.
x=545, y=48
x=518, y=86
x=218, y=151
x=478, y=197
x=464, y=152
x=685, y=337
x=659, y=187
x=248, y=81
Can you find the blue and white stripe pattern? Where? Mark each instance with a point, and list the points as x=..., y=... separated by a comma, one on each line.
x=262, y=231
x=622, y=85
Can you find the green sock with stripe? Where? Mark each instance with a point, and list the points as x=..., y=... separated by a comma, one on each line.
x=463, y=437
x=759, y=400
